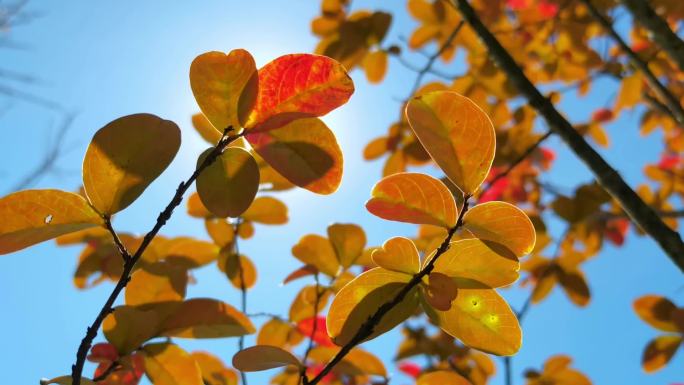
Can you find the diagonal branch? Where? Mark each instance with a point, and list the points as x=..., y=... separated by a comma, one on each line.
x=164, y=216
x=658, y=88
x=367, y=327
x=662, y=34
x=640, y=213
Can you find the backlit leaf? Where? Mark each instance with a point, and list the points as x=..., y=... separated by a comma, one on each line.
x=206, y=130
x=304, y=304
x=218, y=81
x=168, y=364
x=481, y=319
x=214, y=372
x=238, y=270
x=206, y=318
x=304, y=151
x=34, y=216
x=357, y=362
x=127, y=328
x=196, y=207
x=440, y=291
x=502, y=223
x=442, y=377
x=656, y=311
x=296, y=86
x=485, y=262
x=348, y=240
x=575, y=286
x=413, y=198
x=228, y=186
x=266, y=210
x=456, y=133
x=317, y=251
x=124, y=157
x=276, y=332
x=263, y=357
x=659, y=352
x=159, y=282
x=375, y=66
x=361, y=298
x=398, y=254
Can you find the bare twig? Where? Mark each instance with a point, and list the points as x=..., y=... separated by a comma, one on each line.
x=658, y=88
x=164, y=216
x=640, y=213
x=243, y=289
x=369, y=325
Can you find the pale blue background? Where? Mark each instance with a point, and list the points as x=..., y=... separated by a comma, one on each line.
x=103, y=60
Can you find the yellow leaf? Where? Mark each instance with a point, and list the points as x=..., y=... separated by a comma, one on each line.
x=348, y=240
x=34, y=216
x=457, y=134
x=214, y=372
x=127, y=328
x=398, y=254
x=502, y=223
x=220, y=231
x=413, y=198
x=188, y=252
x=279, y=333
x=304, y=151
x=218, y=82
x=357, y=362
x=267, y=210
x=263, y=357
x=196, y=207
x=238, y=272
x=228, y=186
x=656, y=311
x=303, y=305
x=631, y=91
x=168, y=364
x=441, y=377
x=375, y=66
x=317, y=251
x=124, y=157
x=481, y=319
x=482, y=262
x=206, y=318
x=159, y=282
x=362, y=297
x=206, y=130
x=659, y=352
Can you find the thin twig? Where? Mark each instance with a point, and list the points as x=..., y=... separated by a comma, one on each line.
x=123, y=251
x=640, y=213
x=369, y=325
x=243, y=289
x=314, y=323
x=164, y=216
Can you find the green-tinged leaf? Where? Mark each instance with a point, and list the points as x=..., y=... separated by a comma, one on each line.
x=124, y=157
x=228, y=186
x=456, y=133
x=34, y=216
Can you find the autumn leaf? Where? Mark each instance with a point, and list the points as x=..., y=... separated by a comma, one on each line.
x=659, y=352
x=124, y=157
x=219, y=82
x=501, y=223
x=168, y=364
x=205, y=318
x=441, y=377
x=456, y=133
x=214, y=372
x=656, y=311
x=304, y=151
x=348, y=240
x=413, y=198
x=266, y=210
x=159, y=282
x=317, y=251
x=228, y=186
x=398, y=254
x=297, y=86
x=263, y=357
x=34, y=216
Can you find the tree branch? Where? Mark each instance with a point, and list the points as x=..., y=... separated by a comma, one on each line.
x=658, y=88
x=610, y=180
x=243, y=290
x=367, y=327
x=659, y=29
x=164, y=216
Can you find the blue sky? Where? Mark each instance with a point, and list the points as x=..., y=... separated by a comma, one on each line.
x=102, y=60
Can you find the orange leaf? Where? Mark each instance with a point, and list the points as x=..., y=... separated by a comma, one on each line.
x=656, y=311
x=214, y=372
x=206, y=318
x=266, y=210
x=159, y=282
x=481, y=319
x=441, y=291
x=482, y=262
x=375, y=66
x=304, y=304
x=124, y=157
x=361, y=298
x=206, y=130
x=659, y=352
x=127, y=328
x=263, y=357
x=228, y=186
x=304, y=151
x=34, y=216
x=196, y=207
x=456, y=133
x=398, y=254
x=296, y=86
x=413, y=198
x=441, y=377
x=219, y=82
x=317, y=251
x=502, y=223
x=238, y=272
x=168, y=364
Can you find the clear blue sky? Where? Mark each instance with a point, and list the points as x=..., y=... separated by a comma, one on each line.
x=103, y=60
